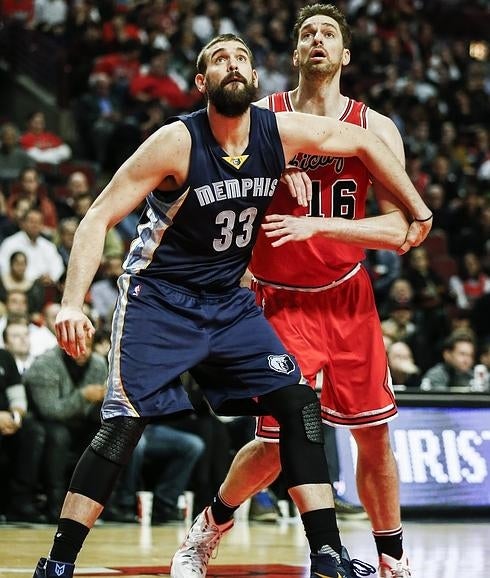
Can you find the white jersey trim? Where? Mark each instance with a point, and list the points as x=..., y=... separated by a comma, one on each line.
x=331, y=285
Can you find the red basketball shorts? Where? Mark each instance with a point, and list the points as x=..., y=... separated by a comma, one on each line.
x=335, y=335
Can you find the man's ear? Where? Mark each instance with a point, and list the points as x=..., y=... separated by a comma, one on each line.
x=346, y=57
x=295, y=59
x=255, y=78
x=200, y=82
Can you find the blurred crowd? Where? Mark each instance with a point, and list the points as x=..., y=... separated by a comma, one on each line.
x=129, y=65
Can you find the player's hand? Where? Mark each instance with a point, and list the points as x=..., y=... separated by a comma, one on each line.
x=417, y=232
x=298, y=183
x=289, y=228
x=73, y=328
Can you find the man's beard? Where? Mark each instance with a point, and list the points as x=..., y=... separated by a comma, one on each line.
x=320, y=70
x=232, y=101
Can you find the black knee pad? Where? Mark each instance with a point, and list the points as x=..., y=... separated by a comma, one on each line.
x=117, y=438
x=285, y=404
x=297, y=410
x=97, y=470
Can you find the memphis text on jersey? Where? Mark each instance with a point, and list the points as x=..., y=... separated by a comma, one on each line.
x=235, y=188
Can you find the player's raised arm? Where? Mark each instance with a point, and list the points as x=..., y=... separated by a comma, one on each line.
x=163, y=156
x=324, y=136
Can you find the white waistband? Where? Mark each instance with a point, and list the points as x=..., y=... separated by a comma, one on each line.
x=331, y=285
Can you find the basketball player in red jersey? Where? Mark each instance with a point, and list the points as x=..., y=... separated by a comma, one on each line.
x=319, y=298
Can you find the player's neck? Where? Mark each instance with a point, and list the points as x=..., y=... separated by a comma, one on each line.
x=322, y=98
x=232, y=134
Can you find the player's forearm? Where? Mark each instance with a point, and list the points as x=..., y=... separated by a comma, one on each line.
x=84, y=261
x=386, y=168
x=381, y=232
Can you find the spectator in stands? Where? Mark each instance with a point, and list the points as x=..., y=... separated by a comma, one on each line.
x=21, y=447
x=401, y=292
x=41, y=145
x=17, y=342
x=168, y=457
x=43, y=260
x=466, y=233
x=436, y=201
x=455, y=371
x=419, y=177
x=66, y=234
x=98, y=113
x=399, y=325
x=419, y=145
x=16, y=308
x=13, y=159
x=272, y=78
x=211, y=22
x=67, y=395
x=14, y=278
x=31, y=188
x=448, y=177
x=429, y=289
x=471, y=282
x=121, y=67
x=117, y=31
x=157, y=84
x=384, y=269
x=222, y=438
x=402, y=366
x=77, y=183
x=11, y=224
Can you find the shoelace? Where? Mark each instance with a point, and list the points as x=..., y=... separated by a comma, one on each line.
x=360, y=568
x=400, y=571
x=201, y=550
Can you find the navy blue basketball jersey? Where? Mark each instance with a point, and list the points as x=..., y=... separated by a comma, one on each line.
x=201, y=236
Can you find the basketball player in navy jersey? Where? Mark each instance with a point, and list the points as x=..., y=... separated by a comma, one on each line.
x=208, y=178
x=319, y=298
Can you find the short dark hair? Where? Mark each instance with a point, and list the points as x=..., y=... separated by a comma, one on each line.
x=202, y=61
x=325, y=10
x=455, y=338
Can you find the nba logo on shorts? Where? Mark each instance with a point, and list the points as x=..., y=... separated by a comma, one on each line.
x=136, y=290
x=281, y=363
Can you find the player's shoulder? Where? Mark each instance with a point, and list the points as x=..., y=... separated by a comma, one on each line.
x=380, y=123
x=175, y=133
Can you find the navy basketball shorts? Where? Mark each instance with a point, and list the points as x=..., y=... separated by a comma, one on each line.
x=160, y=330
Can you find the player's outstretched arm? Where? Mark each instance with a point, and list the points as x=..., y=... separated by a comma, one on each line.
x=380, y=232
x=324, y=136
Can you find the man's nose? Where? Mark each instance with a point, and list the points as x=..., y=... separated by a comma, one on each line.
x=233, y=64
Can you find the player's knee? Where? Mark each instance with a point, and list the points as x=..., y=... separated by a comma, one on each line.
x=97, y=470
x=372, y=438
x=117, y=438
x=293, y=402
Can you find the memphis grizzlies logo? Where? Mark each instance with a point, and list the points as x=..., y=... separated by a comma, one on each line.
x=281, y=363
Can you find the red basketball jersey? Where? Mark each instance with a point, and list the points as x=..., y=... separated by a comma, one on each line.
x=339, y=190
